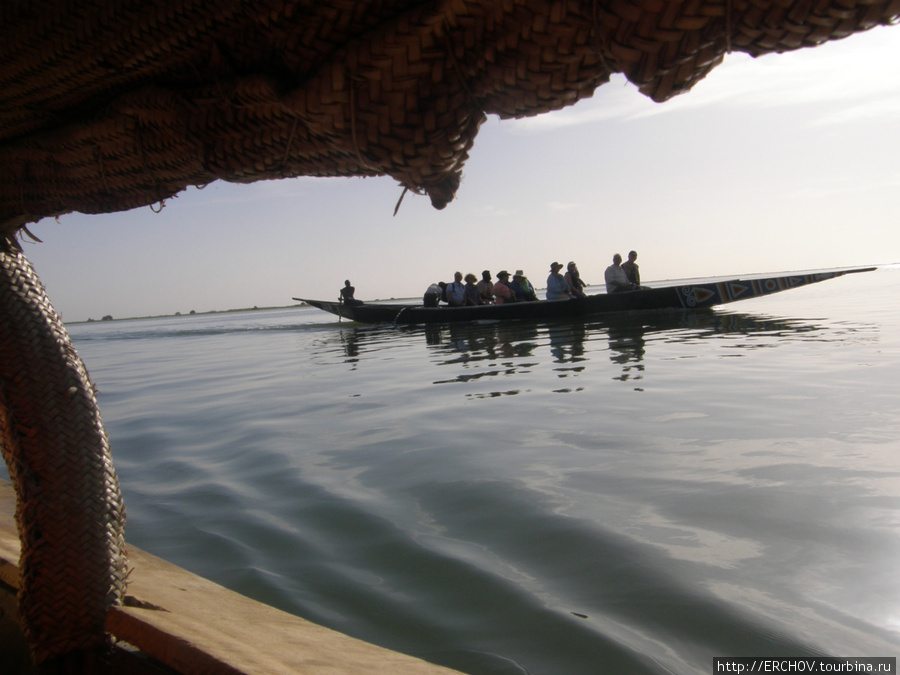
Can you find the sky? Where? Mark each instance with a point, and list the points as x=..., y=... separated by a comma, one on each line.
x=783, y=163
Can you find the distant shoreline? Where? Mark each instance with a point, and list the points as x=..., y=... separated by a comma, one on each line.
x=178, y=315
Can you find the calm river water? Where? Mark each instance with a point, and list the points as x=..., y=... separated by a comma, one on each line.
x=636, y=494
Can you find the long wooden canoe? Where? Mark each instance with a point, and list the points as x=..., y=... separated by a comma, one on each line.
x=692, y=295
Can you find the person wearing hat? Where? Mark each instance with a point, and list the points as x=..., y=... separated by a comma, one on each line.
x=573, y=278
x=557, y=288
x=522, y=288
x=502, y=292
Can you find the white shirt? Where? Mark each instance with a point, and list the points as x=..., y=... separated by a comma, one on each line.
x=615, y=276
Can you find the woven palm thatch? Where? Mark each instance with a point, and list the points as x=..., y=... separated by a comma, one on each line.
x=106, y=105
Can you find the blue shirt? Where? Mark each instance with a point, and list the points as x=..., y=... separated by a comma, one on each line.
x=456, y=293
x=557, y=287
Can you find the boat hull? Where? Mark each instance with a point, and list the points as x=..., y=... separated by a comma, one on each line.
x=685, y=296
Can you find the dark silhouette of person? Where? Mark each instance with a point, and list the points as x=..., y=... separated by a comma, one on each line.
x=347, y=295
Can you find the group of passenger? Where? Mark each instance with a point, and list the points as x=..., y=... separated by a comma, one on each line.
x=623, y=276
x=565, y=286
x=620, y=276
x=481, y=292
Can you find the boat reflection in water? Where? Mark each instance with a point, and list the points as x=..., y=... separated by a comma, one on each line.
x=350, y=343
x=511, y=349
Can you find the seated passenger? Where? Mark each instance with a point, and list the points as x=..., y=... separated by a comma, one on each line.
x=456, y=291
x=472, y=295
x=615, y=277
x=522, y=288
x=486, y=288
x=347, y=295
x=631, y=269
x=502, y=292
x=557, y=288
x=573, y=278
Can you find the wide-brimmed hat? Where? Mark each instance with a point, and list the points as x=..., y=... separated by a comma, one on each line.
x=555, y=266
x=519, y=273
x=502, y=273
x=471, y=277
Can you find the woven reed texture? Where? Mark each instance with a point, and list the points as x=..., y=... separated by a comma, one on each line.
x=106, y=105
x=69, y=509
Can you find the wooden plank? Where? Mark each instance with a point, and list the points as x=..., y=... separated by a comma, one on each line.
x=195, y=626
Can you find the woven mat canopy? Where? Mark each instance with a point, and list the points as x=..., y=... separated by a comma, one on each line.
x=106, y=105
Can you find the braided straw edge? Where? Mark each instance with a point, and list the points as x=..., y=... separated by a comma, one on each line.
x=69, y=509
